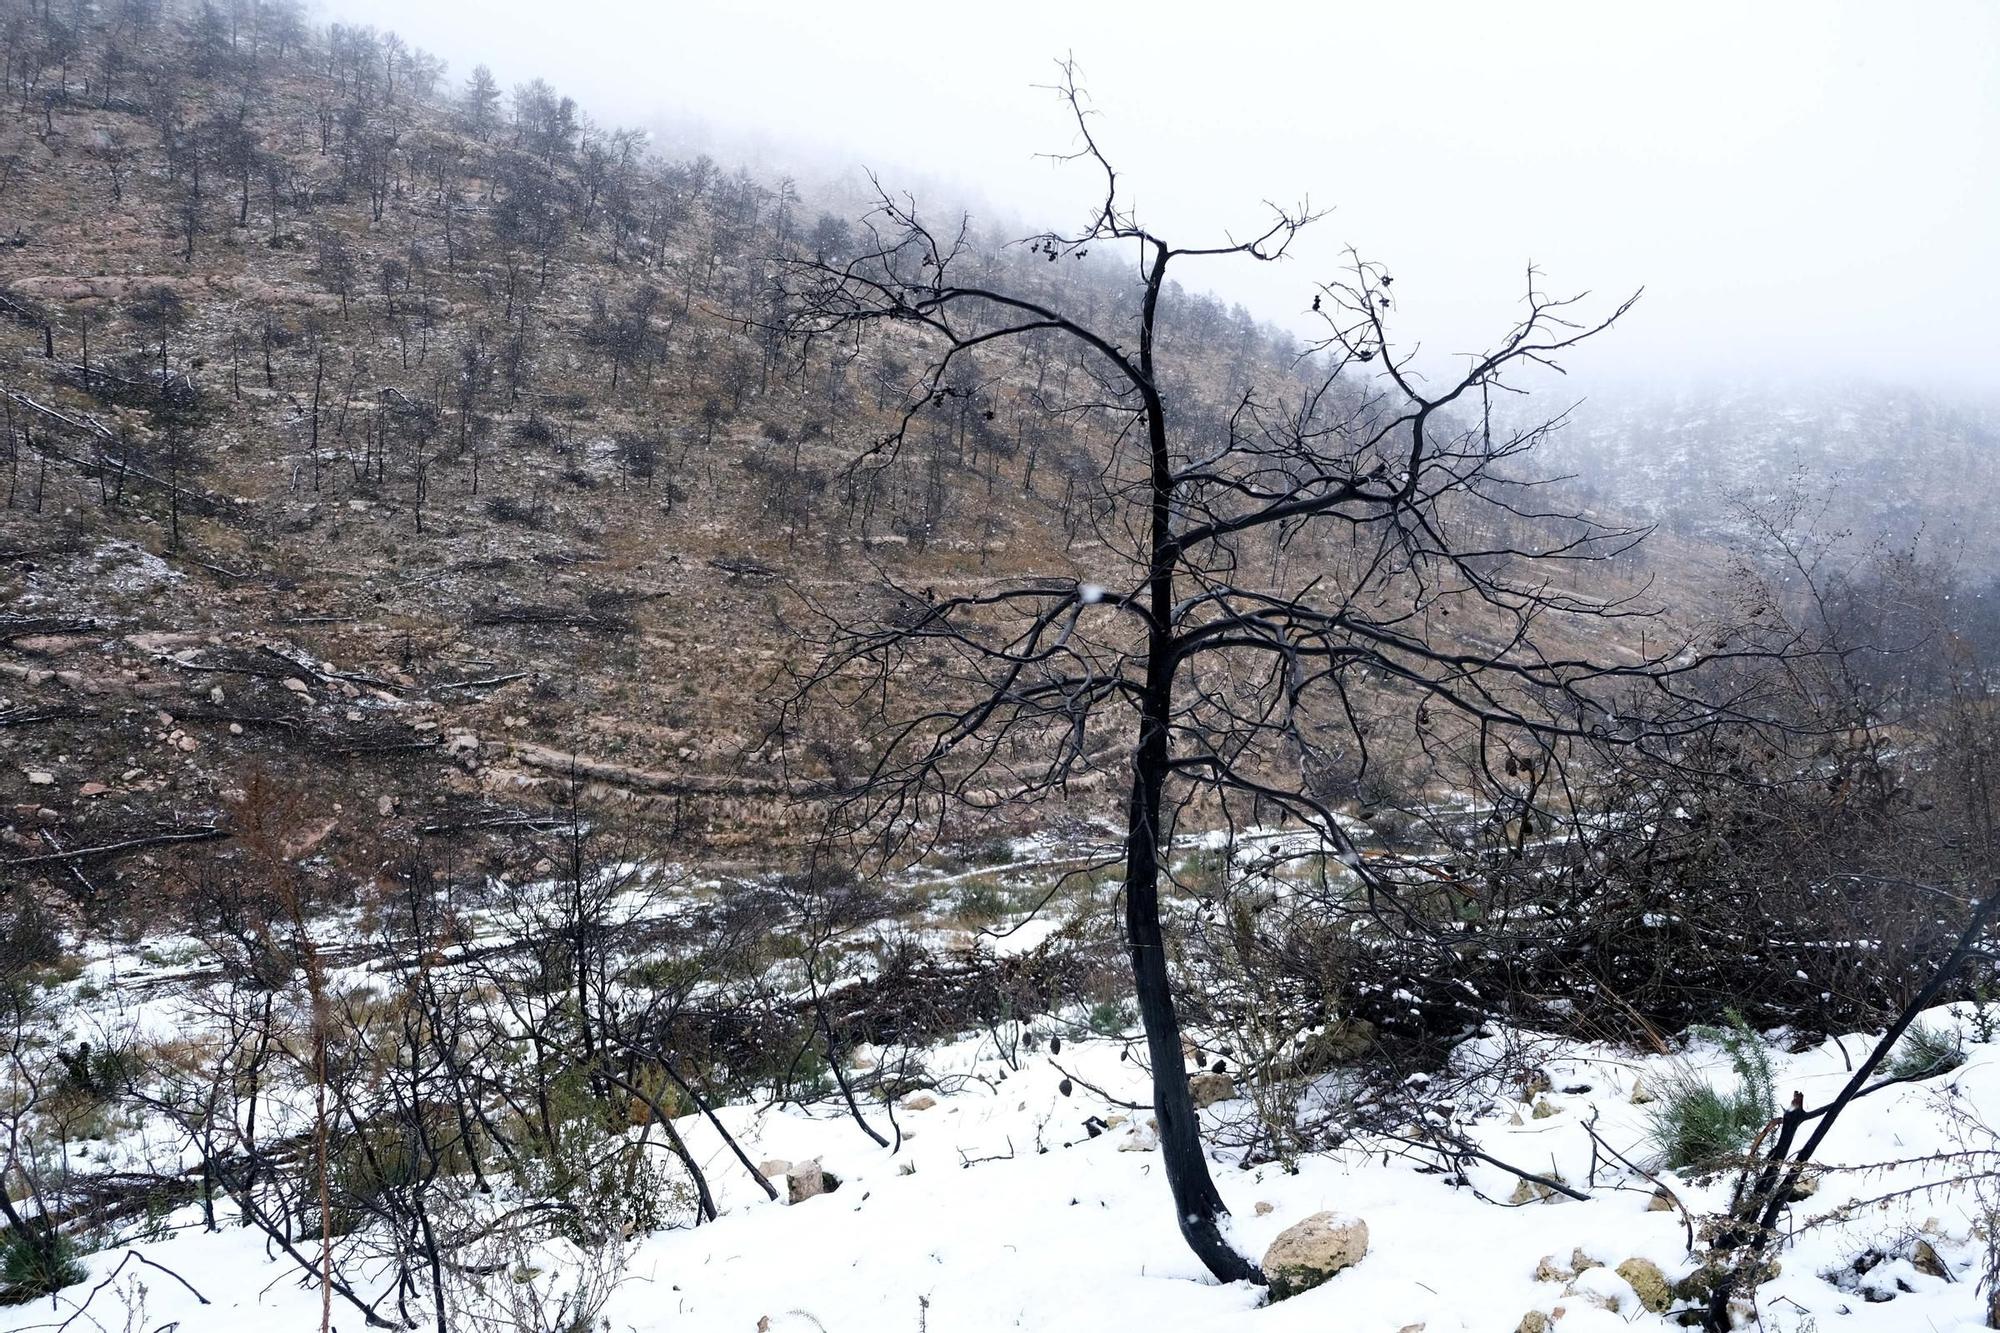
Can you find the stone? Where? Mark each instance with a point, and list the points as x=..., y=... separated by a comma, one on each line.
x=1602, y=1288
x=774, y=1168
x=91, y=789
x=296, y=686
x=1528, y=1191
x=1579, y=1262
x=1655, y=1292
x=1640, y=1097
x=1548, y=1270
x=40, y=777
x=385, y=806
x=1338, y=1043
x=1533, y=1322
x=1208, y=1089
x=1140, y=1140
x=188, y=744
x=1661, y=1202
x=1264, y=1208
x=919, y=1101
x=1925, y=1259
x=1545, y=1108
x=1308, y=1253
x=804, y=1181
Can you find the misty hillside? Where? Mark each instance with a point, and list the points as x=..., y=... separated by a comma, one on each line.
x=595, y=739
x=1899, y=466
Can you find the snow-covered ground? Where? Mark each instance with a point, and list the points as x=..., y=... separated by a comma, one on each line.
x=1000, y=1211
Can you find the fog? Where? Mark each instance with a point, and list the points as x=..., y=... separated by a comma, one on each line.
x=1802, y=189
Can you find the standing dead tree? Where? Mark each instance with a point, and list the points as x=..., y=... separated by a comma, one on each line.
x=1350, y=532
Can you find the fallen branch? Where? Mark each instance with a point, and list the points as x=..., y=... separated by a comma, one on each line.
x=209, y=834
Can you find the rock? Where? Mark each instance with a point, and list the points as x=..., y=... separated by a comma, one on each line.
x=919, y=1101
x=1263, y=1209
x=188, y=744
x=1338, y=1043
x=40, y=777
x=1640, y=1097
x=1803, y=1188
x=296, y=686
x=1307, y=1253
x=91, y=789
x=385, y=806
x=1533, y=1322
x=1655, y=1292
x=48, y=645
x=774, y=1168
x=1579, y=1262
x=1527, y=1191
x=804, y=1181
x=1602, y=1288
x=460, y=743
x=1548, y=1270
x=1925, y=1260
x=1544, y=1108
x=236, y=728
x=1661, y=1202
x=1208, y=1089
x=215, y=695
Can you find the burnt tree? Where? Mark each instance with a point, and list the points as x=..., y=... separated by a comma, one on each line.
x=1350, y=529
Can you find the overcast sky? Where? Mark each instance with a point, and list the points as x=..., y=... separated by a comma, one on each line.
x=1801, y=188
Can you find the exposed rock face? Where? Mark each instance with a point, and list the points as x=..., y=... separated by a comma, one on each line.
x=1307, y=1253
x=1208, y=1089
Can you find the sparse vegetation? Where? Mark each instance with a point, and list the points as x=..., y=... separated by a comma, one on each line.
x=1698, y=1126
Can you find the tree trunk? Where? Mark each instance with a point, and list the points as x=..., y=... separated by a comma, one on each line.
x=1197, y=1204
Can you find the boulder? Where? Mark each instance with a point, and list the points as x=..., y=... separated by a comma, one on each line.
x=774, y=1168
x=1533, y=1322
x=1604, y=1289
x=1208, y=1089
x=1925, y=1259
x=804, y=1181
x=1307, y=1253
x=1655, y=1292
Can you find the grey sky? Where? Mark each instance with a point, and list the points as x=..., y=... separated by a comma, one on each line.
x=1803, y=187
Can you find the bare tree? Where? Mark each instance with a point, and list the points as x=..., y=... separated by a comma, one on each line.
x=1226, y=685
